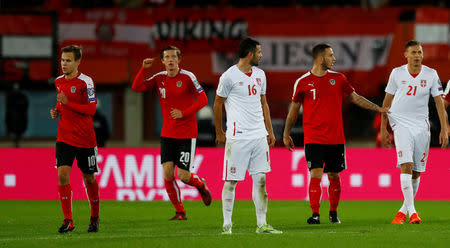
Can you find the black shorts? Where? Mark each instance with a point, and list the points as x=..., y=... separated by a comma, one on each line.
x=179, y=151
x=86, y=157
x=332, y=155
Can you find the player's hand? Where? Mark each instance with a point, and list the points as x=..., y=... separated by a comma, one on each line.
x=54, y=112
x=176, y=114
x=220, y=137
x=288, y=142
x=386, y=138
x=271, y=140
x=147, y=63
x=384, y=110
x=443, y=138
x=62, y=98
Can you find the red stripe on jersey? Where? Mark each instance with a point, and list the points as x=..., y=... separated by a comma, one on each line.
x=267, y=156
x=226, y=169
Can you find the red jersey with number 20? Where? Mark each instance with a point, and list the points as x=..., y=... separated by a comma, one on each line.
x=322, y=106
x=75, y=128
x=182, y=92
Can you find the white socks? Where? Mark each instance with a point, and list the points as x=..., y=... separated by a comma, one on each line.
x=259, y=195
x=408, y=193
x=228, y=201
x=415, y=185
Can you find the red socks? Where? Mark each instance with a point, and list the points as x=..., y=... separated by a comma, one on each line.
x=65, y=196
x=334, y=191
x=195, y=181
x=315, y=193
x=92, y=192
x=174, y=194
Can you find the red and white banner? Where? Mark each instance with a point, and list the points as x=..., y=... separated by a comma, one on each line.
x=136, y=175
x=432, y=29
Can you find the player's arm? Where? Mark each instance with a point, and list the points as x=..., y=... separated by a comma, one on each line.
x=138, y=82
x=291, y=119
x=443, y=136
x=366, y=104
x=384, y=134
x=54, y=112
x=220, y=134
x=267, y=121
x=86, y=109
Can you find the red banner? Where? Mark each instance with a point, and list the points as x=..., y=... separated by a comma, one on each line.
x=136, y=175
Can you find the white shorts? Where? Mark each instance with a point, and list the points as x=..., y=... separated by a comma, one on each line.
x=242, y=155
x=412, y=146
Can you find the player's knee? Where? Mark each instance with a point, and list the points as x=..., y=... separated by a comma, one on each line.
x=333, y=175
x=89, y=179
x=230, y=186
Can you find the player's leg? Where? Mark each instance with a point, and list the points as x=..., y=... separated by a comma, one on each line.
x=228, y=193
x=259, y=165
x=235, y=165
x=185, y=164
x=314, y=154
x=87, y=162
x=421, y=151
x=404, y=143
x=168, y=156
x=335, y=162
x=65, y=155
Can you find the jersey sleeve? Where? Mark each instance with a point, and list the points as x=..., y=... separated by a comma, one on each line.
x=447, y=92
x=298, y=95
x=224, y=87
x=263, y=84
x=347, y=88
x=140, y=83
x=391, y=87
x=436, y=87
x=196, y=85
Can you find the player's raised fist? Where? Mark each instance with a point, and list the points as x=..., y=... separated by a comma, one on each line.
x=54, y=112
x=147, y=63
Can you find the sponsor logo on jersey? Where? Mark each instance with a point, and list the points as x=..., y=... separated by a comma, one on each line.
x=332, y=82
x=233, y=170
x=311, y=84
x=423, y=83
x=400, y=154
x=73, y=89
x=258, y=81
x=179, y=84
x=241, y=83
x=403, y=82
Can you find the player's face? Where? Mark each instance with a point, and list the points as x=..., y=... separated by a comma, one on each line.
x=414, y=55
x=68, y=63
x=328, y=59
x=256, y=56
x=170, y=60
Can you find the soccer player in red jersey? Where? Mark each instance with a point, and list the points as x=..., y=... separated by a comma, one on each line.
x=322, y=91
x=180, y=96
x=76, y=104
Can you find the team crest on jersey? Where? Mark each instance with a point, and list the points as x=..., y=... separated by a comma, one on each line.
x=233, y=170
x=73, y=89
x=423, y=83
x=332, y=82
x=258, y=81
x=178, y=83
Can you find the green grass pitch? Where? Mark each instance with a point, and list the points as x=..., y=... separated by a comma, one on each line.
x=145, y=224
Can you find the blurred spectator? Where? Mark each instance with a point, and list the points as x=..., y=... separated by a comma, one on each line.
x=16, y=113
x=101, y=127
x=373, y=4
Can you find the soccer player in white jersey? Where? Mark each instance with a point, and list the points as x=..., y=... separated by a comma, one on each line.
x=407, y=95
x=249, y=134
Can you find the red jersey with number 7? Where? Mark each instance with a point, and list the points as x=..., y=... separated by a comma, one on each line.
x=322, y=99
x=76, y=128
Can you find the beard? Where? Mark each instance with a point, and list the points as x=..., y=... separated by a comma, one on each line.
x=325, y=66
x=254, y=61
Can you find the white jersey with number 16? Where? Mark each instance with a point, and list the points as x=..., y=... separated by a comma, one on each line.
x=411, y=95
x=245, y=118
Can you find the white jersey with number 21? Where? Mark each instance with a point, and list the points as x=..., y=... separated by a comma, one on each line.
x=409, y=107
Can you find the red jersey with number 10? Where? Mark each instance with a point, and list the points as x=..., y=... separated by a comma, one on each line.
x=322, y=106
x=75, y=128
